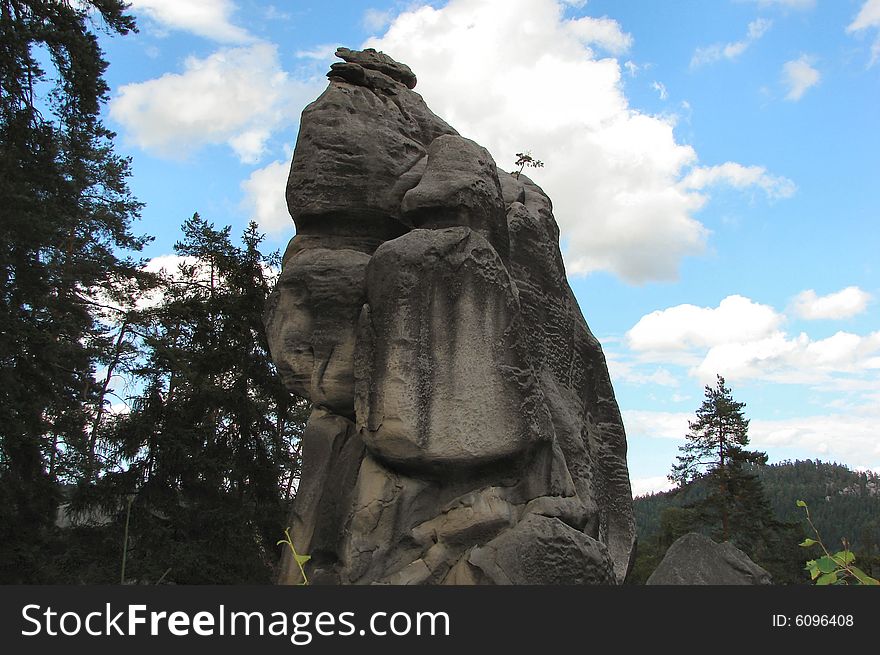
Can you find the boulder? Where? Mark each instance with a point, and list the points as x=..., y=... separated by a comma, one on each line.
x=695, y=559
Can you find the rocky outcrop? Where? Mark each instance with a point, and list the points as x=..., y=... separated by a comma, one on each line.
x=464, y=429
x=695, y=559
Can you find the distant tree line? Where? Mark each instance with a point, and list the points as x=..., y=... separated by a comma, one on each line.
x=127, y=398
x=843, y=503
x=730, y=494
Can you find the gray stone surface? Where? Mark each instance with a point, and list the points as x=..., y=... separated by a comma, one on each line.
x=542, y=550
x=360, y=148
x=459, y=187
x=311, y=324
x=695, y=559
x=464, y=428
x=446, y=380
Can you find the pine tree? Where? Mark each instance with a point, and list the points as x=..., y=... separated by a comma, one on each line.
x=211, y=441
x=715, y=450
x=66, y=217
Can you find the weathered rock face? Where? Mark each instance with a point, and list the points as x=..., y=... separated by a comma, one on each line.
x=694, y=559
x=464, y=429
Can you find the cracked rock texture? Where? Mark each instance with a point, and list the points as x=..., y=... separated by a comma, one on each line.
x=464, y=429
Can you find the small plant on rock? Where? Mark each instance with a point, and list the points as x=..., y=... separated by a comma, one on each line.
x=299, y=559
x=524, y=159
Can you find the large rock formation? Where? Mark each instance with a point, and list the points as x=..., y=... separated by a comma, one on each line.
x=694, y=559
x=464, y=429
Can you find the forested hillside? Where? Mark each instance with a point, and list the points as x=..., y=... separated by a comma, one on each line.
x=842, y=502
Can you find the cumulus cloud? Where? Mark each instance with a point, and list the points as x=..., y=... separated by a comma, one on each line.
x=842, y=304
x=850, y=437
x=843, y=437
x=739, y=177
x=264, y=197
x=208, y=18
x=742, y=339
x=717, y=51
x=603, y=32
x=736, y=319
x=235, y=96
x=868, y=18
x=799, y=75
x=652, y=485
x=542, y=84
x=795, y=360
x=374, y=19
x=660, y=425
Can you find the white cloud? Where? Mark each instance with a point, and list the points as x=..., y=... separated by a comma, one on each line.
x=208, y=18
x=613, y=172
x=660, y=425
x=652, y=485
x=264, y=197
x=849, y=437
x=374, y=19
x=739, y=177
x=842, y=304
x=795, y=360
x=660, y=88
x=867, y=18
x=684, y=327
x=741, y=339
x=603, y=32
x=624, y=371
x=167, y=266
x=757, y=28
x=799, y=75
x=323, y=51
x=837, y=437
x=710, y=54
x=236, y=96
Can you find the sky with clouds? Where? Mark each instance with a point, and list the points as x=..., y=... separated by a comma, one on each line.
x=713, y=167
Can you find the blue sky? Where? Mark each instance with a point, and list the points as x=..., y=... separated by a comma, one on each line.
x=714, y=168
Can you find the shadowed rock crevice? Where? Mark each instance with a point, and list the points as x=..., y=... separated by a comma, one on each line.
x=464, y=428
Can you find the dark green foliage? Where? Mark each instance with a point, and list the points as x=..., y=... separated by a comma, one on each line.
x=843, y=503
x=719, y=495
x=734, y=507
x=208, y=446
x=210, y=443
x=66, y=217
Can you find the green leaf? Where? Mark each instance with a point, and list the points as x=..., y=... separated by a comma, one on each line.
x=801, y=503
x=828, y=578
x=302, y=559
x=826, y=564
x=844, y=557
x=809, y=542
x=863, y=577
